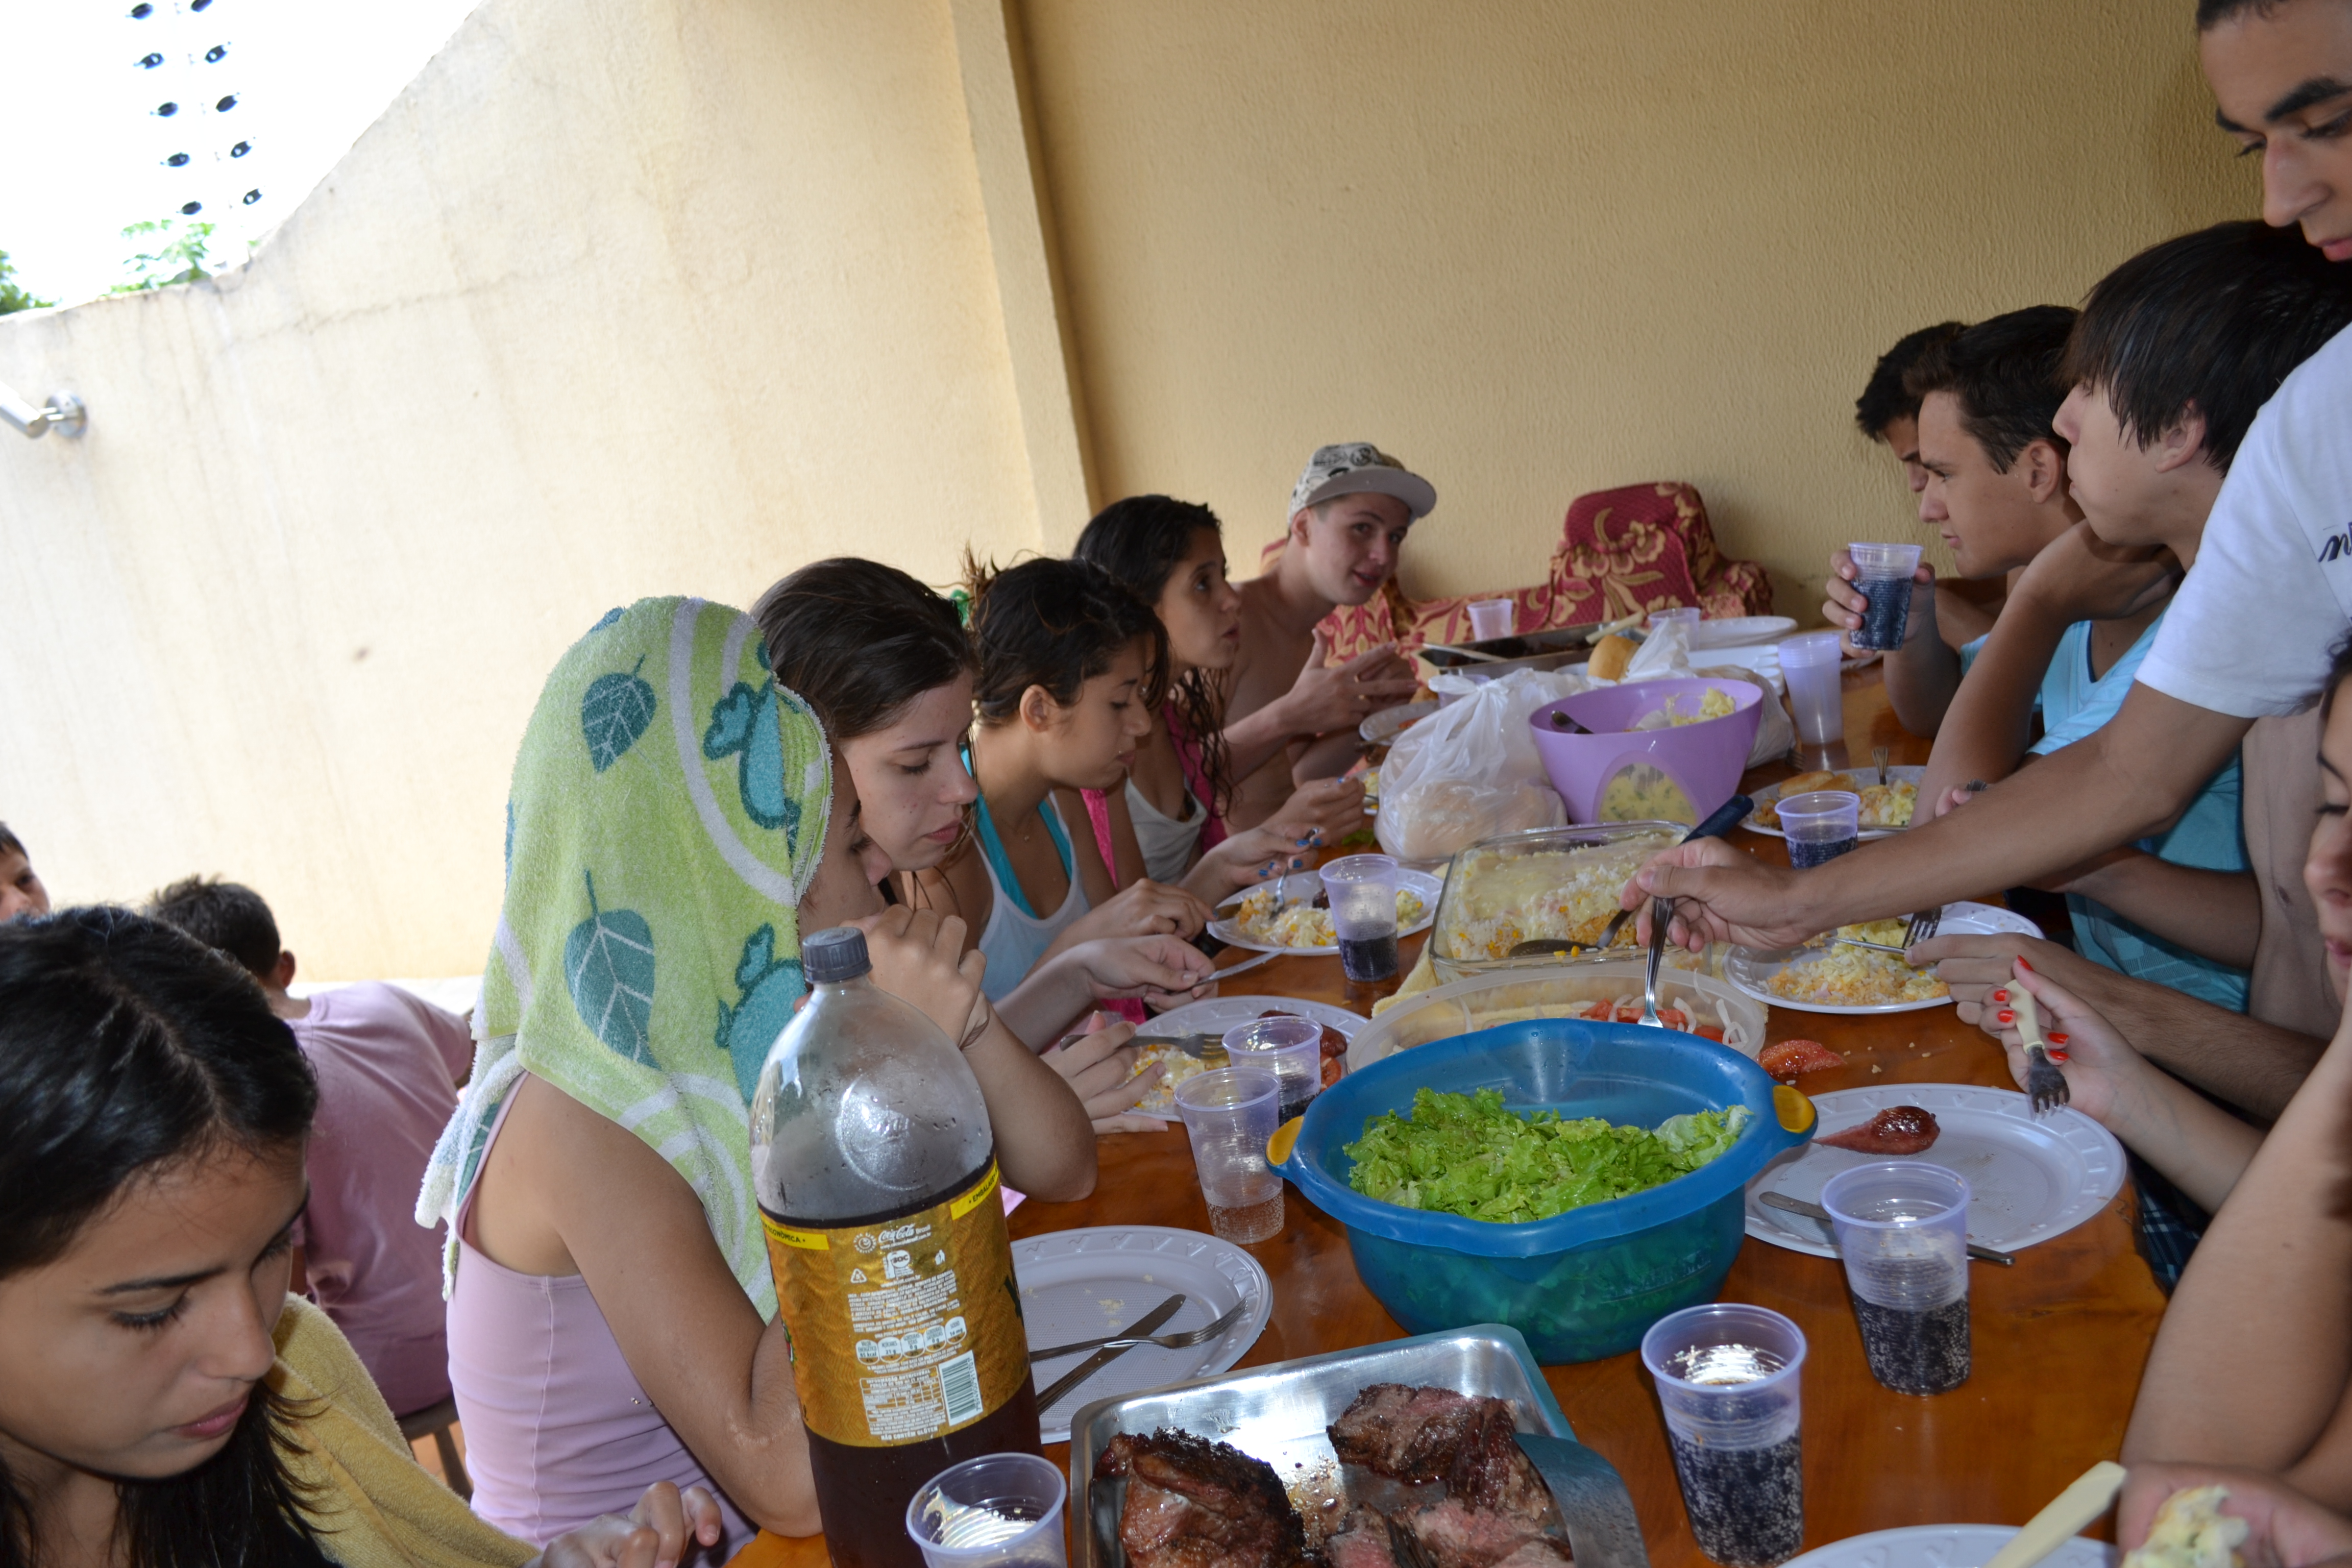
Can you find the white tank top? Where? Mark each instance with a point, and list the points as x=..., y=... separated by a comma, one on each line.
x=1167, y=842
x=1012, y=941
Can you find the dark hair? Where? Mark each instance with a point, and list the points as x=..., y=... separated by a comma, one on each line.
x=1883, y=400
x=10, y=841
x=226, y=916
x=859, y=641
x=2339, y=669
x=1056, y=625
x=2214, y=13
x=127, y=1047
x=1140, y=541
x=2213, y=320
x=2008, y=375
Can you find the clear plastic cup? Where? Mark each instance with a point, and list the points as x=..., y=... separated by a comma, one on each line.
x=999, y=1510
x=1290, y=1047
x=1808, y=663
x=1491, y=618
x=1822, y=825
x=1228, y=1114
x=1728, y=1380
x=1903, y=1231
x=1363, y=914
x=1687, y=616
x=1882, y=573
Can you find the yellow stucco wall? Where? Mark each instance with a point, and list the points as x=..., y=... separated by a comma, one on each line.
x=627, y=297
x=647, y=296
x=1539, y=249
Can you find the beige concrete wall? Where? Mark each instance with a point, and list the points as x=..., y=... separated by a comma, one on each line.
x=1538, y=249
x=641, y=296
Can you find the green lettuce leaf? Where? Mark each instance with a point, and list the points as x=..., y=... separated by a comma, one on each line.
x=1465, y=1155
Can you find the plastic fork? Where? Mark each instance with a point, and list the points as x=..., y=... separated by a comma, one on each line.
x=1183, y=1340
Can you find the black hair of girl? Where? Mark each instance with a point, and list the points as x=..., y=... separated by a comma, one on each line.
x=127, y=1047
x=859, y=640
x=1140, y=541
x=1056, y=625
x=2339, y=669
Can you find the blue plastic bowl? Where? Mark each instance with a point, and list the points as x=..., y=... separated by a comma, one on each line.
x=1581, y=1285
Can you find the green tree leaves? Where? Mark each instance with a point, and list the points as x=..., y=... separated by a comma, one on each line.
x=12, y=298
x=608, y=967
x=616, y=709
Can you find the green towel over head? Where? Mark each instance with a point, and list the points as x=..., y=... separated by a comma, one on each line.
x=667, y=811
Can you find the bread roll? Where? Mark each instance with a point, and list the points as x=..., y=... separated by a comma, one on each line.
x=1611, y=654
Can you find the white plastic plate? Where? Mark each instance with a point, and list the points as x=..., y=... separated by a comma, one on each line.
x=1751, y=970
x=1945, y=1546
x=1900, y=774
x=1085, y=1284
x=1303, y=886
x=2030, y=1177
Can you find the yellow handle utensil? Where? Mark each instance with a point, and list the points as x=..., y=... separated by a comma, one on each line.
x=2067, y=1513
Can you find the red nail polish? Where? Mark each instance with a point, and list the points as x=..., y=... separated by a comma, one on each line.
x=2006, y=1016
x=2057, y=1039
x=2000, y=995
x=2060, y=1057
x=2025, y=966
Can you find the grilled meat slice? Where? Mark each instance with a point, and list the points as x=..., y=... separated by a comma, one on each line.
x=1454, y=1535
x=1408, y=1434
x=1364, y=1543
x=1192, y=1503
x=1491, y=1473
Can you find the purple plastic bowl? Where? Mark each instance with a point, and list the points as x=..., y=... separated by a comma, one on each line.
x=1704, y=761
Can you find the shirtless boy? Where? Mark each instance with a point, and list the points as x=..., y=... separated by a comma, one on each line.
x=1348, y=515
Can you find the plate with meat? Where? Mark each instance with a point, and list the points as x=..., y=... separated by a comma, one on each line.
x=2030, y=1177
x=1090, y=1283
x=1376, y=1458
x=1212, y=1017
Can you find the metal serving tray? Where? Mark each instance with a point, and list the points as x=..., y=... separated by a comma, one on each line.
x=1278, y=1413
x=1554, y=649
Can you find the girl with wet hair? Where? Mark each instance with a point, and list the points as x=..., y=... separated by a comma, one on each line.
x=1072, y=672
x=1168, y=822
x=163, y=1401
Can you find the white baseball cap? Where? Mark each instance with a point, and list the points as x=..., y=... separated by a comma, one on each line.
x=1355, y=468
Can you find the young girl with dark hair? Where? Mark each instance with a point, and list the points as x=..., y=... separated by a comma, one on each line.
x=1072, y=669
x=162, y=1400
x=884, y=663
x=1168, y=822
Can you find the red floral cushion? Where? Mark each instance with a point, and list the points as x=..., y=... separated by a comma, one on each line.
x=1642, y=547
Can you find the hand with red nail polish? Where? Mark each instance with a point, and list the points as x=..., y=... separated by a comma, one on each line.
x=2000, y=995
x=2005, y=1016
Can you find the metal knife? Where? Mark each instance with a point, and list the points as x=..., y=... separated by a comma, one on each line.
x=1788, y=1205
x=1101, y=1359
x=1250, y=963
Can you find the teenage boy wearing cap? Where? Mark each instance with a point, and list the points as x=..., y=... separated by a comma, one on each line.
x=1348, y=515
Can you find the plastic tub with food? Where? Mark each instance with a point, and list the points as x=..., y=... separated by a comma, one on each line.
x=1581, y=1281
x=1689, y=1001
x=1670, y=750
x=1551, y=885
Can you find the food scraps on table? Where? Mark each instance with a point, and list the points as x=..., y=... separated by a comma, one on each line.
x=1261, y=920
x=1854, y=977
x=1886, y=805
x=1898, y=1130
x=2192, y=1532
x=1465, y=1155
x=1566, y=895
x=1785, y=1060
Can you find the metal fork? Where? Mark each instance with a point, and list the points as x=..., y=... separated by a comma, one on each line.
x=1661, y=913
x=1923, y=925
x=1183, y=1340
x=1878, y=755
x=2045, y=1086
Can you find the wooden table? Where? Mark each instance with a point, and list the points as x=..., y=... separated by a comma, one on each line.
x=2059, y=1340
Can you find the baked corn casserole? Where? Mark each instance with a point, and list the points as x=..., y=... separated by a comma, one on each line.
x=1566, y=895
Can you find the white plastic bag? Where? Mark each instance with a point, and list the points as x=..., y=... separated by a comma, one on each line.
x=1666, y=653
x=1470, y=770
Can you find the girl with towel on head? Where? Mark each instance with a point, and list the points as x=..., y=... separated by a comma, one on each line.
x=162, y=1400
x=676, y=822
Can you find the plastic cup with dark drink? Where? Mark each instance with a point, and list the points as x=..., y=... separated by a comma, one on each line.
x=1362, y=889
x=1903, y=1230
x=1882, y=573
x=1822, y=825
x=999, y=1510
x=1727, y=1379
x=1290, y=1047
x=1228, y=1114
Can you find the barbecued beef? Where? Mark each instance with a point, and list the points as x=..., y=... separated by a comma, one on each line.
x=1364, y=1543
x=1458, y=1536
x=1409, y=1433
x=1192, y=1503
x=1491, y=1472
